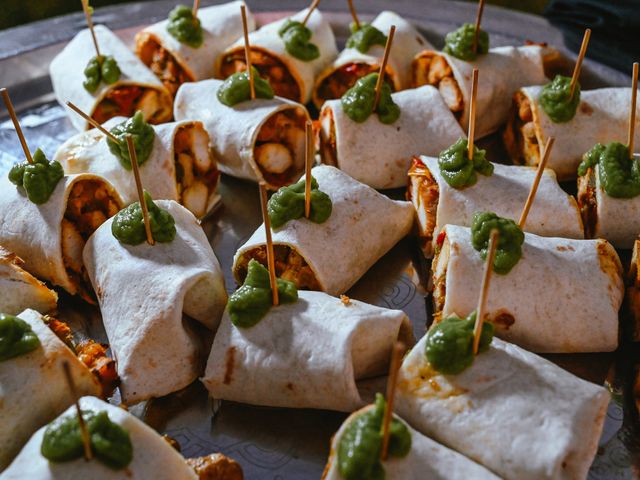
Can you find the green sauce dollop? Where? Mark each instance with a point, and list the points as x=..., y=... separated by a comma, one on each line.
x=110, y=443
x=184, y=27
x=253, y=299
x=509, y=250
x=296, y=38
x=363, y=38
x=359, y=447
x=449, y=344
x=143, y=136
x=456, y=168
x=39, y=179
x=128, y=224
x=16, y=337
x=236, y=88
x=358, y=101
x=619, y=174
x=100, y=68
x=556, y=101
x=288, y=204
x=459, y=43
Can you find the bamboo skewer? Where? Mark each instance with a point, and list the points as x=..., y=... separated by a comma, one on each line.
x=578, y=66
x=313, y=6
x=87, y=14
x=484, y=289
x=247, y=51
x=354, y=14
x=396, y=355
x=86, y=440
x=93, y=122
x=270, y=257
x=472, y=114
x=476, y=33
x=308, y=161
x=632, y=113
x=196, y=6
x=536, y=182
x=143, y=203
x=16, y=124
x=383, y=66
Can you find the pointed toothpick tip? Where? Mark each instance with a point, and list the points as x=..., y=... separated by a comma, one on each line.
x=247, y=51
x=578, y=65
x=136, y=175
x=472, y=113
x=271, y=264
x=313, y=6
x=383, y=66
x=632, y=109
x=308, y=163
x=16, y=124
x=536, y=182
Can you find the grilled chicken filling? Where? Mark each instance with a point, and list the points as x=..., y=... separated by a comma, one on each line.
x=587, y=202
x=163, y=64
x=342, y=79
x=439, y=279
x=216, y=467
x=270, y=67
x=127, y=99
x=328, y=139
x=429, y=68
x=424, y=193
x=519, y=136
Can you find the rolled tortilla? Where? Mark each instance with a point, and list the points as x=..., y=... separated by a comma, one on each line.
x=563, y=296
x=137, y=89
x=153, y=456
x=379, y=154
x=20, y=290
x=351, y=64
x=174, y=62
x=553, y=213
x=50, y=237
x=333, y=255
x=245, y=136
x=289, y=76
x=502, y=71
x=151, y=297
x=307, y=354
x=180, y=167
x=37, y=377
x=426, y=459
x=516, y=413
x=602, y=117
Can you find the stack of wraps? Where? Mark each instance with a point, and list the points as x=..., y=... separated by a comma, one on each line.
x=333, y=255
x=136, y=89
x=308, y=354
x=152, y=299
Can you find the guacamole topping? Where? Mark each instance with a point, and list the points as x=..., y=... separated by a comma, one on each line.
x=360, y=444
x=253, y=299
x=184, y=27
x=358, y=101
x=459, y=43
x=509, y=249
x=143, y=136
x=236, y=88
x=556, y=101
x=363, y=38
x=100, y=68
x=39, y=178
x=456, y=168
x=16, y=337
x=296, y=39
x=619, y=174
x=288, y=204
x=128, y=223
x=110, y=443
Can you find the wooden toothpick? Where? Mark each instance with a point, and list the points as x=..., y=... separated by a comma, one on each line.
x=352, y=9
x=93, y=122
x=472, y=114
x=271, y=263
x=308, y=161
x=484, y=289
x=16, y=124
x=247, y=51
x=313, y=6
x=383, y=66
x=632, y=113
x=194, y=10
x=534, y=187
x=86, y=440
x=396, y=355
x=478, y=21
x=143, y=204
x=578, y=66
x=87, y=14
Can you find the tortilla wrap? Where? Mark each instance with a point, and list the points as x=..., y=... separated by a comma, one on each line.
x=516, y=413
x=267, y=40
x=363, y=226
x=407, y=43
x=37, y=377
x=426, y=459
x=306, y=354
x=563, y=295
x=234, y=130
x=20, y=290
x=144, y=291
x=553, y=212
x=153, y=456
x=89, y=152
x=67, y=76
x=378, y=154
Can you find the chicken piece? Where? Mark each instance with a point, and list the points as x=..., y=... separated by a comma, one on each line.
x=451, y=94
x=421, y=70
x=216, y=467
x=72, y=246
x=273, y=157
x=424, y=193
x=519, y=136
x=149, y=105
x=186, y=169
x=200, y=149
x=94, y=356
x=195, y=198
x=438, y=69
x=61, y=330
x=294, y=138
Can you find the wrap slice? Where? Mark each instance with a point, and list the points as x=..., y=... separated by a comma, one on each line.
x=289, y=76
x=352, y=64
x=379, y=154
x=136, y=89
x=601, y=117
x=180, y=166
x=175, y=62
x=256, y=140
x=152, y=299
x=333, y=255
x=537, y=307
x=516, y=413
x=553, y=214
